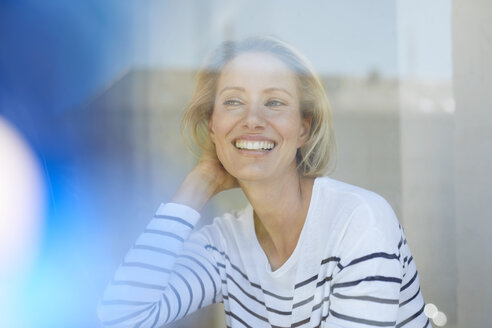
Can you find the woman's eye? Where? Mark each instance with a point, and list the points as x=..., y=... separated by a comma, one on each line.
x=275, y=103
x=232, y=102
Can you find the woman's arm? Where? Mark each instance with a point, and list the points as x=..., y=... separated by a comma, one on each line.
x=168, y=273
x=375, y=282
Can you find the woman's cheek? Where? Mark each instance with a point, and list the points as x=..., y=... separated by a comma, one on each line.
x=219, y=149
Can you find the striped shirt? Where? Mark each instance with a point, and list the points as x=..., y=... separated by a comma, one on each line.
x=352, y=267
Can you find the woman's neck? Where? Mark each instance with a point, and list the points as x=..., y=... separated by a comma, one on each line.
x=280, y=207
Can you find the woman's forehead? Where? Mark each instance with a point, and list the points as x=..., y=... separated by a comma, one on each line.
x=257, y=69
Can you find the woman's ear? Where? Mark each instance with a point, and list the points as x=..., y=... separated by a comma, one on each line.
x=305, y=130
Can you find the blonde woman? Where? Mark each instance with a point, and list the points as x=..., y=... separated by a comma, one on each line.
x=308, y=251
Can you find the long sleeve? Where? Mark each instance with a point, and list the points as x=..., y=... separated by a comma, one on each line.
x=167, y=274
x=373, y=284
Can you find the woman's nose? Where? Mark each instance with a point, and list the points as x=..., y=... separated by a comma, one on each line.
x=254, y=117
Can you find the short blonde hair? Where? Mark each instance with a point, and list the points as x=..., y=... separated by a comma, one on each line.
x=315, y=157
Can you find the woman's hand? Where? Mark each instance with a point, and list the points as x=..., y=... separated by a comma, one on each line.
x=207, y=179
x=212, y=171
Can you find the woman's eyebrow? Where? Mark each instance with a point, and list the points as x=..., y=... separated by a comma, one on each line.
x=231, y=88
x=278, y=89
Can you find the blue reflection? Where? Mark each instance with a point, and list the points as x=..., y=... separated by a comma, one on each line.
x=54, y=57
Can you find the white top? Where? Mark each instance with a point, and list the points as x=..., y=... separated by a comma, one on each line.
x=351, y=268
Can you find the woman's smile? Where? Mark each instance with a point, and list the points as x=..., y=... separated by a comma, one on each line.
x=254, y=146
x=261, y=145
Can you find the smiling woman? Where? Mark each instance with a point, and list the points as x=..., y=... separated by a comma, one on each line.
x=257, y=105
x=307, y=251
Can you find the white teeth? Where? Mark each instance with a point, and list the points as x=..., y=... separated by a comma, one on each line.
x=254, y=145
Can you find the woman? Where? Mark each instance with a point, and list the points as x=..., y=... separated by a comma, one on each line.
x=308, y=251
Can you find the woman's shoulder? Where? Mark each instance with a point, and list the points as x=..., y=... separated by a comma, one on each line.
x=366, y=207
x=348, y=191
x=364, y=218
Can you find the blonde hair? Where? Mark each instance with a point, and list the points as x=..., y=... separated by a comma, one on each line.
x=315, y=157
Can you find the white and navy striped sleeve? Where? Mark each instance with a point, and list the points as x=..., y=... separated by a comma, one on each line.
x=166, y=275
x=367, y=282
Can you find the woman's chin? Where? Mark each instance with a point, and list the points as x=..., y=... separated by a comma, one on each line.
x=258, y=172
x=254, y=175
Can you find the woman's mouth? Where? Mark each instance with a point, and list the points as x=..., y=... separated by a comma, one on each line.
x=254, y=145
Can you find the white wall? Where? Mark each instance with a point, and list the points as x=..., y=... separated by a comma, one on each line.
x=472, y=64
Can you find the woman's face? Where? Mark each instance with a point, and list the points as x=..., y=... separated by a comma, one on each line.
x=256, y=123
